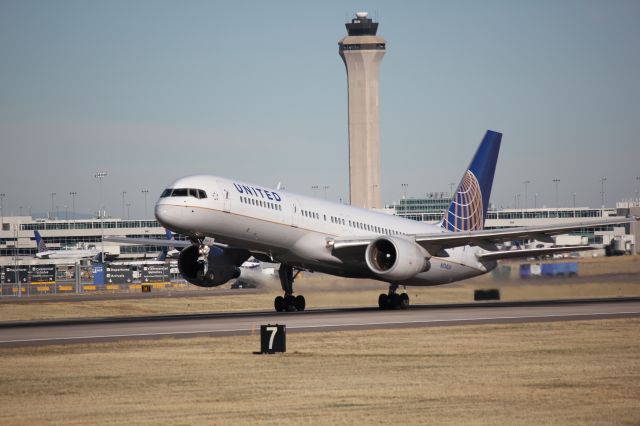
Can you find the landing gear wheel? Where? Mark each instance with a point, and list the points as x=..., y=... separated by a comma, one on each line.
x=404, y=301
x=300, y=303
x=395, y=300
x=290, y=303
x=383, y=301
x=278, y=303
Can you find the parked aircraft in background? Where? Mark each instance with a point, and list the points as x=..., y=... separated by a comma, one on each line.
x=229, y=221
x=91, y=252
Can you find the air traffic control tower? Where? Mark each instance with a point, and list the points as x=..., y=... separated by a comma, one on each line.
x=362, y=51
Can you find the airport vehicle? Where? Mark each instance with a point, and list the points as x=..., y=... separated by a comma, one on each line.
x=90, y=252
x=228, y=221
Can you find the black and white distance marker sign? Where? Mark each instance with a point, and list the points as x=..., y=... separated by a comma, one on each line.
x=273, y=338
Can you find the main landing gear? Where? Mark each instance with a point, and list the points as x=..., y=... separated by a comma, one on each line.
x=203, y=259
x=288, y=303
x=393, y=300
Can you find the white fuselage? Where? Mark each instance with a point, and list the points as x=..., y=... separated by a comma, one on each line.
x=296, y=229
x=67, y=254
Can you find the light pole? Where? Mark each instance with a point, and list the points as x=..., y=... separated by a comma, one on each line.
x=602, y=181
x=526, y=196
x=557, y=181
x=20, y=208
x=2, y=208
x=638, y=190
x=325, y=187
x=123, y=193
x=53, y=194
x=73, y=202
x=128, y=210
x=66, y=212
x=404, y=190
x=100, y=176
x=535, y=200
x=574, y=200
x=451, y=189
x=314, y=188
x=145, y=192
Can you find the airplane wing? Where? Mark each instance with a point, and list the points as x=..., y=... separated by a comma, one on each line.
x=148, y=241
x=514, y=254
x=435, y=243
x=159, y=242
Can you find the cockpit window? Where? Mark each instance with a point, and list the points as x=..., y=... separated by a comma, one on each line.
x=184, y=192
x=180, y=192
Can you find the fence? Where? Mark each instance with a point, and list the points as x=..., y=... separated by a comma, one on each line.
x=30, y=280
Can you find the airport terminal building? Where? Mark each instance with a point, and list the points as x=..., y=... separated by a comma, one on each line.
x=17, y=237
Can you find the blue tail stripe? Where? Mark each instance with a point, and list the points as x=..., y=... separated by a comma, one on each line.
x=469, y=204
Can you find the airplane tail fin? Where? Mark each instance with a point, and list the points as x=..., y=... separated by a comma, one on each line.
x=40, y=242
x=165, y=249
x=470, y=202
x=170, y=237
x=163, y=255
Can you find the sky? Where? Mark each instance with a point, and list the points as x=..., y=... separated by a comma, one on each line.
x=153, y=90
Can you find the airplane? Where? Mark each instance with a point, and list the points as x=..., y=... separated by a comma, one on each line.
x=168, y=246
x=229, y=221
x=83, y=253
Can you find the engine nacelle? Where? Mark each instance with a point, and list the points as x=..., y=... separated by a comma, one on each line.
x=396, y=259
x=223, y=265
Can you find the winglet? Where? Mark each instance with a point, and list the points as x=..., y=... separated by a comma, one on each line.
x=469, y=204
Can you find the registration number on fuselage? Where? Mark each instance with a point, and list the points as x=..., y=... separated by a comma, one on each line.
x=446, y=266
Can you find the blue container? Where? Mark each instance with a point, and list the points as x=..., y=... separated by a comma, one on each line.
x=525, y=270
x=548, y=269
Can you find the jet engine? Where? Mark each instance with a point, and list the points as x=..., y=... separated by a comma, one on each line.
x=223, y=264
x=395, y=259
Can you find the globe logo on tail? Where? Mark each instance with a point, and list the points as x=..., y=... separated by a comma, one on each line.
x=466, y=212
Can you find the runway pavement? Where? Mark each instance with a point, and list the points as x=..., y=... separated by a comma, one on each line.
x=242, y=323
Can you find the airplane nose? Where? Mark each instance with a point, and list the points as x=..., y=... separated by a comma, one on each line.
x=168, y=215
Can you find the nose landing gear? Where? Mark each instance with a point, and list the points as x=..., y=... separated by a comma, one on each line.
x=393, y=300
x=288, y=303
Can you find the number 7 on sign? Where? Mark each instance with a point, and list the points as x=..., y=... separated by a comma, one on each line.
x=273, y=331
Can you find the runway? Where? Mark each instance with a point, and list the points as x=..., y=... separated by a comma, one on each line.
x=224, y=324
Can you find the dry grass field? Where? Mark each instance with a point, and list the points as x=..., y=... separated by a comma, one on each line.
x=599, y=277
x=585, y=372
